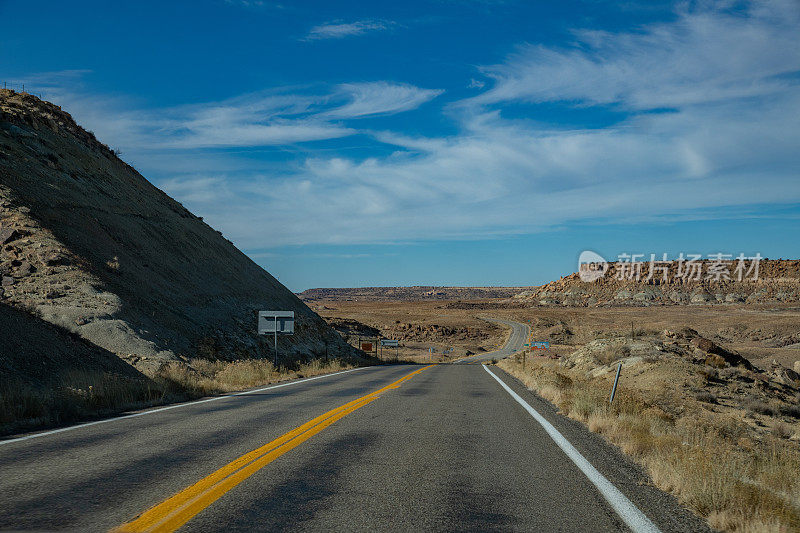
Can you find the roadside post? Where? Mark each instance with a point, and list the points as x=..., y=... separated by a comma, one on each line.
x=276, y=322
x=616, y=380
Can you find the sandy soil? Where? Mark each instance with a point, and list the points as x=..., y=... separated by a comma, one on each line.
x=761, y=333
x=421, y=325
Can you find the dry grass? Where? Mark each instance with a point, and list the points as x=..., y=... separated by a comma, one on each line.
x=203, y=377
x=76, y=396
x=710, y=461
x=84, y=395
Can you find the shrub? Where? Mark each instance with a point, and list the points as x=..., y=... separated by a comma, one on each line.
x=755, y=405
x=706, y=397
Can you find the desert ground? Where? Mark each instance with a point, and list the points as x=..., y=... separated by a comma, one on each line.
x=760, y=333
x=453, y=329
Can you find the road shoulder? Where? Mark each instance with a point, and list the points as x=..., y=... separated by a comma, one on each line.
x=631, y=479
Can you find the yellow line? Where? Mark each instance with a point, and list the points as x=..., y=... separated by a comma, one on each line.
x=175, y=511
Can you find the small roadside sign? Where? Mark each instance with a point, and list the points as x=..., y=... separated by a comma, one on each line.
x=390, y=342
x=540, y=345
x=366, y=346
x=275, y=322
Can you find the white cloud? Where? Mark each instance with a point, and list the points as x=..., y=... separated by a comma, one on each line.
x=339, y=30
x=272, y=118
x=380, y=98
x=730, y=142
x=706, y=55
x=505, y=178
x=197, y=189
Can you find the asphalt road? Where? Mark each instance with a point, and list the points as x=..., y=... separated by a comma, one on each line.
x=517, y=337
x=399, y=447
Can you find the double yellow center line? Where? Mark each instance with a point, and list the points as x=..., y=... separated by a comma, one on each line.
x=172, y=513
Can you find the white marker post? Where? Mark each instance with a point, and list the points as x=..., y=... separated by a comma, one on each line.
x=616, y=380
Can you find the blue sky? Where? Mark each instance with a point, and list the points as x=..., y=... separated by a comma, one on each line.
x=440, y=142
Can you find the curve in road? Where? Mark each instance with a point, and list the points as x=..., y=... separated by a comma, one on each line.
x=515, y=342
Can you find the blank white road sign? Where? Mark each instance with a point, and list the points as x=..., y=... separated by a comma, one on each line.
x=268, y=320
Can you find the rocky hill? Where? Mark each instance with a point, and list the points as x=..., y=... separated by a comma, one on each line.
x=777, y=281
x=415, y=293
x=93, y=252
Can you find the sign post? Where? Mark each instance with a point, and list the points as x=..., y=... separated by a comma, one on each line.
x=276, y=322
x=390, y=343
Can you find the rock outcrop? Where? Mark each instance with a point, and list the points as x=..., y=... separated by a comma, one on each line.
x=778, y=281
x=416, y=293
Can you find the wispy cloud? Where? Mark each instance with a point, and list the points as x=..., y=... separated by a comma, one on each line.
x=721, y=74
x=380, y=98
x=729, y=140
x=500, y=177
x=708, y=54
x=253, y=4
x=271, y=118
x=339, y=30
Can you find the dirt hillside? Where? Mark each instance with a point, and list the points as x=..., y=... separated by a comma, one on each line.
x=89, y=246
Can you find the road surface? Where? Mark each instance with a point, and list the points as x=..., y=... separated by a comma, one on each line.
x=397, y=447
x=516, y=339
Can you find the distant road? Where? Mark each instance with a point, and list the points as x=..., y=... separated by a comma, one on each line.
x=446, y=447
x=515, y=342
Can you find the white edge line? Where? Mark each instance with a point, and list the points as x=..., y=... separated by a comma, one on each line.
x=175, y=406
x=630, y=514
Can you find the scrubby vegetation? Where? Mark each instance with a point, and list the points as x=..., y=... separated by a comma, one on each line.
x=79, y=396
